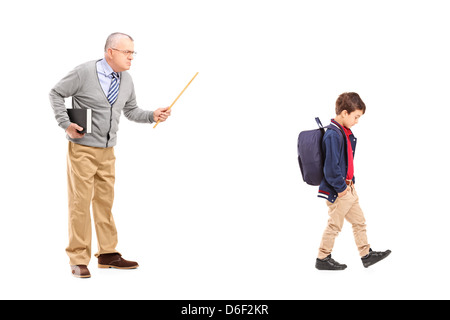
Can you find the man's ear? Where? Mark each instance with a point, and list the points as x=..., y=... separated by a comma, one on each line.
x=108, y=53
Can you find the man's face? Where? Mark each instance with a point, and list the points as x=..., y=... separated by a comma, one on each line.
x=350, y=119
x=120, y=56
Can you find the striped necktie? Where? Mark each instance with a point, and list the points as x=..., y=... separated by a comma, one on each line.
x=114, y=88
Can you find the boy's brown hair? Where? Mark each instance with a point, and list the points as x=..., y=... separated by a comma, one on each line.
x=349, y=101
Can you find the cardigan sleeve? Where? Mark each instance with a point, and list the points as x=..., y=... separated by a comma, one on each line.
x=67, y=87
x=134, y=113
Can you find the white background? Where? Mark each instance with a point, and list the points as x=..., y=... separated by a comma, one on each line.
x=211, y=203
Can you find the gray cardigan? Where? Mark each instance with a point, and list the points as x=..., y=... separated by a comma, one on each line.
x=83, y=86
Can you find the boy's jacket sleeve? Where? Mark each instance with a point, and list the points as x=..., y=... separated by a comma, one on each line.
x=332, y=167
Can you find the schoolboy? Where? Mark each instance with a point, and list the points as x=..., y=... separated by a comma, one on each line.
x=338, y=185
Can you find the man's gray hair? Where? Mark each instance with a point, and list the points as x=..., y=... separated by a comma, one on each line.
x=113, y=38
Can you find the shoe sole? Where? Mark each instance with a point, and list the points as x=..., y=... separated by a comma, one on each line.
x=324, y=269
x=371, y=264
x=106, y=266
x=327, y=267
x=81, y=277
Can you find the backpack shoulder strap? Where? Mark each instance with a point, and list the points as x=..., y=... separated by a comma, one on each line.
x=319, y=123
x=339, y=129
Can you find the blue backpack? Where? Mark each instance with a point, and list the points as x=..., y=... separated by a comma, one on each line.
x=310, y=154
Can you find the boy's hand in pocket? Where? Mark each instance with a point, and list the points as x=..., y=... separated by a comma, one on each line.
x=343, y=193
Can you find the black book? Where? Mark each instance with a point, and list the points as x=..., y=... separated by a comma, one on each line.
x=82, y=117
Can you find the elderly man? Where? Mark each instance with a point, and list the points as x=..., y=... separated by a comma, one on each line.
x=107, y=89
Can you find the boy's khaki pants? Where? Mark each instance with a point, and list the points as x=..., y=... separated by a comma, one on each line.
x=346, y=207
x=91, y=176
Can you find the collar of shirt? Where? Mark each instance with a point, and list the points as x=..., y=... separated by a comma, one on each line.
x=347, y=131
x=104, y=72
x=105, y=68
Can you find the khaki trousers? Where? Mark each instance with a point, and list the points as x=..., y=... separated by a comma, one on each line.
x=90, y=176
x=346, y=207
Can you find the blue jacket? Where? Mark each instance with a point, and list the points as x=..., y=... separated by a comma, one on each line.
x=334, y=146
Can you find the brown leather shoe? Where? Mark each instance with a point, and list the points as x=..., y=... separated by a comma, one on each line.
x=80, y=271
x=115, y=260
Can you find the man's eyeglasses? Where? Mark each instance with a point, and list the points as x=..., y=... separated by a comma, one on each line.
x=126, y=52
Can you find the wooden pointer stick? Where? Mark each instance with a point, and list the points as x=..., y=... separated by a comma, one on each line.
x=178, y=97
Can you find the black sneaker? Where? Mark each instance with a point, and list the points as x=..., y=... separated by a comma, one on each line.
x=329, y=264
x=374, y=257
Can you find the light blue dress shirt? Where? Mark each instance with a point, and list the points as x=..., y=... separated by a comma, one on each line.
x=104, y=72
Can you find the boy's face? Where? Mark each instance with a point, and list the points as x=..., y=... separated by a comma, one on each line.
x=350, y=119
